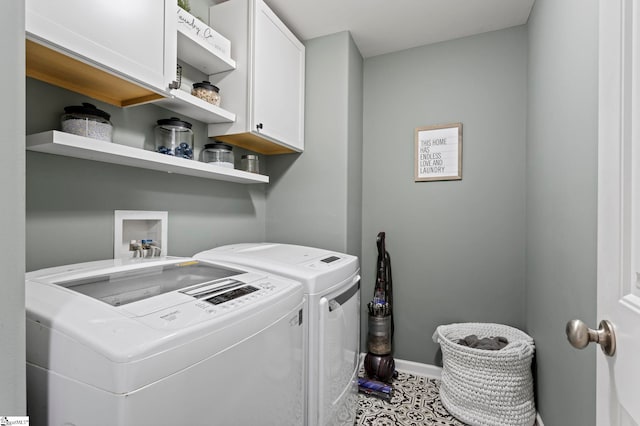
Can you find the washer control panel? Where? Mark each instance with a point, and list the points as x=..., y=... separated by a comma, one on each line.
x=228, y=290
x=213, y=300
x=326, y=262
x=231, y=294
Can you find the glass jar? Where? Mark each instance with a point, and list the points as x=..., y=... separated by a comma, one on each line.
x=174, y=137
x=218, y=153
x=207, y=92
x=250, y=163
x=87, y=120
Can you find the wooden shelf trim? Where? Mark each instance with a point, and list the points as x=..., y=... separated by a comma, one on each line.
x=54, y=67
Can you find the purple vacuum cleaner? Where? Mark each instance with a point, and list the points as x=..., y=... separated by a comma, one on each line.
x=378, y=363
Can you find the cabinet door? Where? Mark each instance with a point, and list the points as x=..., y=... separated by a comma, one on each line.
x=278, y=80
x=133, y=39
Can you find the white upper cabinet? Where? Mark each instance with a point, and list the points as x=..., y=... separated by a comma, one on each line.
x=131, y=40
x=266, y=90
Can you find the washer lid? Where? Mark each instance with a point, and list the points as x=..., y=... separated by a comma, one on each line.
x=119, y=288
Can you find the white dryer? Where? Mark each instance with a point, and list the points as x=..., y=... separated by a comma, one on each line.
x=170, y=341
x=331, y=283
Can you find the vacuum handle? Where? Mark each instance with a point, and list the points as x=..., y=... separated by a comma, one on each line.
x=381, y=248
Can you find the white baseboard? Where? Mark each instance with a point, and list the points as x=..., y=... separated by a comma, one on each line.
x=412, y=367
x=420, y=369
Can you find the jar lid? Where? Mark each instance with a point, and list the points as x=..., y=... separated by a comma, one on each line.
x=174, y=121
x=206, y=85
x=249, y=157
x=218, y=145
x=88, y=109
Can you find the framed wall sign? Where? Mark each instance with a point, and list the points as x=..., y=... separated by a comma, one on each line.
x=438, y=152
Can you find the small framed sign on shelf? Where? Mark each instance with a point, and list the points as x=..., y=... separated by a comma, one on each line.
x=438, y=152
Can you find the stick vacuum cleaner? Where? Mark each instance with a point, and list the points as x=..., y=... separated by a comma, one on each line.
x=378, y=363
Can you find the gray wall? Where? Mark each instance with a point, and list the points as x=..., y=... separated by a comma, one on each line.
x=315, y=197
x=561, y=203
x=354, y=149
x=70, y=202
x=12, y=342
x=457, y=247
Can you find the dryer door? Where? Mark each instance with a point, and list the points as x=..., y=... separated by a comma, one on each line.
x=339, y=354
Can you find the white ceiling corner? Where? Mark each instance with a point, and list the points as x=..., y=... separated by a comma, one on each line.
x=380, y=27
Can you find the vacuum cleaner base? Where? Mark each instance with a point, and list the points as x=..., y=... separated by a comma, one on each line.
x=379, y=367
x=375, y=388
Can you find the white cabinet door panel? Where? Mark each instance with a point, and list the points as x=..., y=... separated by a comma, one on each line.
x=278, y=75
x=121, y=36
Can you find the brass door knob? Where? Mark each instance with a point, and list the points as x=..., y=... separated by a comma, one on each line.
x=579, y=335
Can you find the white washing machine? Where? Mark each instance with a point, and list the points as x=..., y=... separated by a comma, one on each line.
x=331, y=283
x=169, y=341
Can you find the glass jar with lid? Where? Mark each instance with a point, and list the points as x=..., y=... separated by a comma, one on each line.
x=87, y=120
x=174, y=137
x=250, y=163
x=207, y=92
x=218, y=153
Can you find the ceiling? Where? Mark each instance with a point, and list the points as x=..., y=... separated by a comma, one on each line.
x=379, y=27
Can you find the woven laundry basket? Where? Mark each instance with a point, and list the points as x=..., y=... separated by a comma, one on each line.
x=483, y=387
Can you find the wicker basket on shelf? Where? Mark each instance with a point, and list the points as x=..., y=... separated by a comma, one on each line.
x=487, y=387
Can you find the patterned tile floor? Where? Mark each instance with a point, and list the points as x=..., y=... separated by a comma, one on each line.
x=415, y=402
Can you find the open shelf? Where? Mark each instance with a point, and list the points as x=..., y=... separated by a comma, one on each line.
x=190, y=106
x=69, y=145
x=200, y=55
